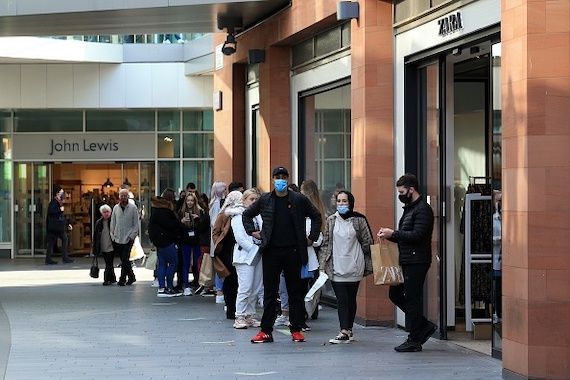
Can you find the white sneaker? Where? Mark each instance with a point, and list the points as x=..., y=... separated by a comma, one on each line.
x=252, y=322
x=240, y=322
x=154, y=283
x=220, y=299
x=282, y=320
x=187, y=291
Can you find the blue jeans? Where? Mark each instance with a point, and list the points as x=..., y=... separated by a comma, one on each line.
x=167, y=261
x=190, y=255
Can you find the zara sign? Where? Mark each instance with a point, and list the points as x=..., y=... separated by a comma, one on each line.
x=450, y=24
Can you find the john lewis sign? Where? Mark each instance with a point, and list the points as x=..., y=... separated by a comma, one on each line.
x=58, y=147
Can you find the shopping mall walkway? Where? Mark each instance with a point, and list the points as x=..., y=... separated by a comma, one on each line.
x=57, y=323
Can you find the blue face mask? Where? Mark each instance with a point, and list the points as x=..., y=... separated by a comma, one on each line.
x=280, y=185
x=342, y=209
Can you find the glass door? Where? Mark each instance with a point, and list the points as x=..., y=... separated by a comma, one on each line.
x=147, y=188
x=31, y=198
x=431, y=168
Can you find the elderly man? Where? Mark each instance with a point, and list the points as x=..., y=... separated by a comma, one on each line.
x=124, y=230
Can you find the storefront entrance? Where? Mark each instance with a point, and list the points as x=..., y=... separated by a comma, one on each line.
x=453, y=142
x=87, y=186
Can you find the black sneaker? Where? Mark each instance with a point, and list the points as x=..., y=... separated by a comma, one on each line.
x=305, y=327
x=409, y=346
x=67, y=260
x=428, y=331
x=199, y=290
x=121, y=283
x=51, y=262
x=173, y=292
x=131, y=280
x=342, y=337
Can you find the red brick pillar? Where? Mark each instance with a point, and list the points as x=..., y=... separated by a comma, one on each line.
x=536, y=173
x=372, y=136
x=275, y=111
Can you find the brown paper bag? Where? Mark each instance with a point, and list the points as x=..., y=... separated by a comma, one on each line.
x=206, y=277
x=387, y=271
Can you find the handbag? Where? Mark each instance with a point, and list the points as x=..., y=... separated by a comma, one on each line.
x=94, y=270
x=387, y=271
x=137, y=251
x=220, y=267
x=305, y=272
x=206, y=276
x=151, y=259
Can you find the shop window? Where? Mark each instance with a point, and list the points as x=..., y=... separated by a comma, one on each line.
x=198, y=145
x=199, y=172
x=5, y=122
x=324, y=137
x=119, y=121
x=168, y=145
x=5, y=207
x=169, y=121
x=168, y=175
x=5, y=147
x=48, y=121
x=321, y=45
x=198, y=121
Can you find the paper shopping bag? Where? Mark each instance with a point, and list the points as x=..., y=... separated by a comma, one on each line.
x=387, y=271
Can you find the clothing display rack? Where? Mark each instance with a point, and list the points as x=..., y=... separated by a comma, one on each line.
x=478, y=251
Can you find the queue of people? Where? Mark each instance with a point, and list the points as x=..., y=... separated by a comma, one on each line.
x=240, y=244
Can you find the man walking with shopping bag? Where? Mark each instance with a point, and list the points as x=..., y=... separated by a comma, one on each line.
x=413, y=237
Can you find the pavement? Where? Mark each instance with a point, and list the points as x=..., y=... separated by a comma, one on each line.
x=58, y=323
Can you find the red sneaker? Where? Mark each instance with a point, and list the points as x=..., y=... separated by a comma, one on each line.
x=297, y=336
x=262, y=337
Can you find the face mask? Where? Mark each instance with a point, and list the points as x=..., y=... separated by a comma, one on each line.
x=342, y=209
x=280, y=185
x=60, y=196
x=405, y=198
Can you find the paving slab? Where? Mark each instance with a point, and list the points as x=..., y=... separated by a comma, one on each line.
x=58, y=323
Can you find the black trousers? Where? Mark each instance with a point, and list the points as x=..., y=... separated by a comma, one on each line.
x=274, y=261
x=230, y=289
x=409, y=297
x=109, y=274
x=124, y=252
x=346, y=302
x=51, y=242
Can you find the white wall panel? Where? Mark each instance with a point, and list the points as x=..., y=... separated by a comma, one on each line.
x=34, y=86
x=165, y=84
x=86, y=86
x=138, y=85
x=10, y=88
x=112, y=86
x=59, y=82
x=92, y=86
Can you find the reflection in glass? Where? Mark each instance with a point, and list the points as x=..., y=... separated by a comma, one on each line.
x=48, y=121
x=198, y=145
x=198, y=120
x=199, y=172
x=168, y=175
x=169, y=121
x=168, y=145
x=325, y=129
x=5, y=209
x=120, y=121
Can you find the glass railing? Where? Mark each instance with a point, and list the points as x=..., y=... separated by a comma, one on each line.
x=175, y=38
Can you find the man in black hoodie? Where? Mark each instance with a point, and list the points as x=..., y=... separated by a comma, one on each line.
x=414, y=242
x=165, y=231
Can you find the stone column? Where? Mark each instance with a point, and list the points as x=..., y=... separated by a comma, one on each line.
x=373, y=136
x=536, y=174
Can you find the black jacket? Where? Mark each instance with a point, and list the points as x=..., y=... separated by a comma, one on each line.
x=414, y=233
x=301, y=207
x=201, y=228
x=55, y=219
x=97, y=236
x=164, y=227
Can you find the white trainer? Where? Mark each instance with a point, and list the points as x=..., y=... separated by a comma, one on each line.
x=187, y=291
x=282, y=320
x=220, y=299
x=154, y=283
x=240, y=322
x=252, y=322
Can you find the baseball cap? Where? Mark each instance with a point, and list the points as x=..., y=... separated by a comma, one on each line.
x=280, y=170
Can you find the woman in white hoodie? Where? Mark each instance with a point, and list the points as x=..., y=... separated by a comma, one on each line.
x=247, y=261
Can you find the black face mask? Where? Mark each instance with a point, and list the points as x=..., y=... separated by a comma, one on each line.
x=405, y=198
